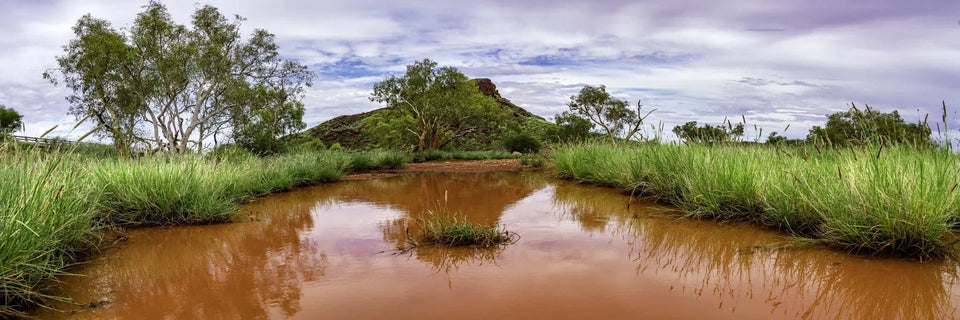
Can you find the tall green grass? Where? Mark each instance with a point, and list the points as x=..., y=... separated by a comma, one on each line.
x=54, y=205
x=45, y=224
x=875, y=199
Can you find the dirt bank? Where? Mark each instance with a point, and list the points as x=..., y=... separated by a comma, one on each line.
x=446, y=166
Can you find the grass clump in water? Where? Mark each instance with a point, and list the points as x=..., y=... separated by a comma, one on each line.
x=454, y=231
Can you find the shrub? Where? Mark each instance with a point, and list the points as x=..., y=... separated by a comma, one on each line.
x=313, y=145
x=522, y=142
x=336, y=147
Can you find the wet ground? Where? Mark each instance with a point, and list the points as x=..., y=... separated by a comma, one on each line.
x=334, y=252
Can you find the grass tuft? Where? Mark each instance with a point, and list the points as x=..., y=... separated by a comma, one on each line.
x=454, y=231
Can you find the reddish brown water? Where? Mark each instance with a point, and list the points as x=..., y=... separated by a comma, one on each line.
x=329, y=252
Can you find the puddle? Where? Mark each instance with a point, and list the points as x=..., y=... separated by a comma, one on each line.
x=330, y=252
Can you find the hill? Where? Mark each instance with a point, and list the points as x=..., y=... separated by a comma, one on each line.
x=347, y=129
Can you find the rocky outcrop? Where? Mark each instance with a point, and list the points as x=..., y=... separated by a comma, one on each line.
x=488, y=88
x=347, y=130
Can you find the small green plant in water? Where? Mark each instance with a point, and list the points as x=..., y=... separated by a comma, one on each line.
x=454, y=231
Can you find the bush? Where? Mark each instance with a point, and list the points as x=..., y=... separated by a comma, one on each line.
x=313, y=145
x=336, y=147
x=522, y=142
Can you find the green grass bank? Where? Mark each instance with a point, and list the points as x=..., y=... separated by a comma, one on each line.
x=876, y=199
x=55, y=206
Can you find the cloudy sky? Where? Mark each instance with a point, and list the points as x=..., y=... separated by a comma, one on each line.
x=776, y=62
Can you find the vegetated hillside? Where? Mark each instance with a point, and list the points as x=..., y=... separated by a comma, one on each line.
x=347, y=130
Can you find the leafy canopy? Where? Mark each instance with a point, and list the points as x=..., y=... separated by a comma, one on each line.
x=170, y=87
x=571, y=127
x=612, y=115
x=10, y=120
x=431, y=106
x=857, y=127
x=708, y=134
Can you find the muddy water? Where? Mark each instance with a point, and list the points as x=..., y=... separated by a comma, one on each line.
x=330, y=252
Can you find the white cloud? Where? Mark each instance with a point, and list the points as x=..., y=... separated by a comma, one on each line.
x=800, y=60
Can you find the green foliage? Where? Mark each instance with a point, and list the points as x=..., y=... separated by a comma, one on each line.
x=170, y=87
x=10, y=120
x=391, y=129
x=522, y=142
x=336, y=147
x=258, y=126
x=260, y=143
x=614, y=116
x=535, y=127
x=880, y=199
x=453, y=231
x=444, y=105
x=313, y=145
x=708, y=134
x=775, y=139
x=229, y=152
x=857, y=127
x=572, y=128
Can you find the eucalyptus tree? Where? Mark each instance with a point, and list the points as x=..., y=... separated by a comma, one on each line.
x=614, y=116
x=435, y=106
x=171, y=87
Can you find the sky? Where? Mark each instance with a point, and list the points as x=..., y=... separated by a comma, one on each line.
x=773, y=62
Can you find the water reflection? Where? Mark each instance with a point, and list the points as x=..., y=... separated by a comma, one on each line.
x=331, y=252
x=179, y=268
x=700, y=258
